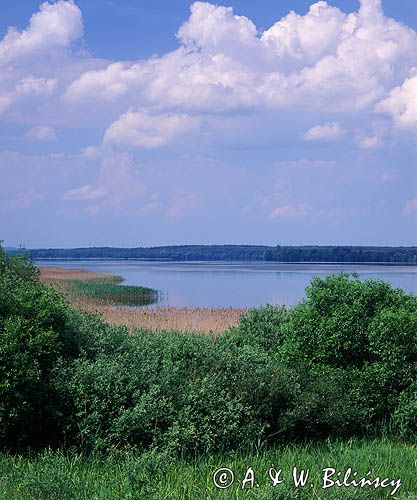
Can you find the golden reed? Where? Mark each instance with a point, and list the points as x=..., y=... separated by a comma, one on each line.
x=168, y=318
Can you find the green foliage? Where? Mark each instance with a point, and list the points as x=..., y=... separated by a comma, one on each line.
x=405, y=415
x=332, y=326
x=177, y=391
x=354, y=345
x=260, y=327
x=341, y=363
x=36, y=327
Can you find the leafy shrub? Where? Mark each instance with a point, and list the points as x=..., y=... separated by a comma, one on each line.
x=260, y=327
x=178, y=391
x=332, y=325
x=323, y=405
x=340, y=363
x=355, y=345
x=405, y=415
x=36, y=327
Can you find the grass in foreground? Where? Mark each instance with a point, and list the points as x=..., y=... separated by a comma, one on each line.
x=55, y=475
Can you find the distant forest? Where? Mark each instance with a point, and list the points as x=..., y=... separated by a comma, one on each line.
x=361, y=254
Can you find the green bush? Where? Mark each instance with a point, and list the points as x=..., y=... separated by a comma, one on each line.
x=355, y=346
x=178, y=391
x=340, y=363
x=405, y=415
x=332, y=326
x=36, y=328
x=260, y=328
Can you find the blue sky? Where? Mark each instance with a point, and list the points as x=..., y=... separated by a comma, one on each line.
x=131, y=123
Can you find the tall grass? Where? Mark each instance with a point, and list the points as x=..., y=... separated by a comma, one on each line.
x=104, y=289
x=178, y=319
x=113, y=293
x=53, y=275
x=156, y=476
x=97, y=292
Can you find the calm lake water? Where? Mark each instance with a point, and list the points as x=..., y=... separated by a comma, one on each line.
x=233, y=284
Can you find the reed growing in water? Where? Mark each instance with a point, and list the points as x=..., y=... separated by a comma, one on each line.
x=105, y=289
x=102, y=293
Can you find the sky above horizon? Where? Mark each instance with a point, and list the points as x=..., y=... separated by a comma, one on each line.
x=135, y=123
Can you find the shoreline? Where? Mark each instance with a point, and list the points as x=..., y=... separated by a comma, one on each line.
x=156, y=318
x=237, y=262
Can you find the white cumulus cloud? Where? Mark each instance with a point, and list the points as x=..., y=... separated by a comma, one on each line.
x=54, y=27
x=143, y=129
x=324, y=63
x=326, y=59
x=300, y=40
x=401, y=103
x=35, y=63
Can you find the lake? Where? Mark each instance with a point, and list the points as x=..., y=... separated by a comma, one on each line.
x=233, y=284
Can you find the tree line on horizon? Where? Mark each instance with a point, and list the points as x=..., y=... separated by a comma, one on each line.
x=340, y=254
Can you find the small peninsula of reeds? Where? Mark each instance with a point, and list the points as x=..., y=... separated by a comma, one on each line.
x=104, y=289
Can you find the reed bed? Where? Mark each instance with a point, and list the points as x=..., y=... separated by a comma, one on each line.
x=85, y=291
x=111, y=293
x=55, y=274
x=103, y=288
x=179, y=319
